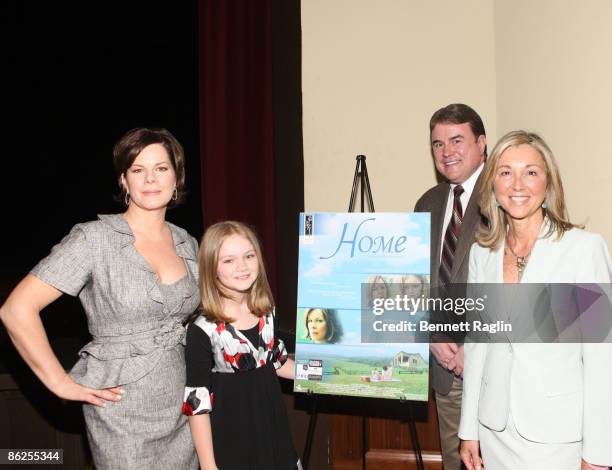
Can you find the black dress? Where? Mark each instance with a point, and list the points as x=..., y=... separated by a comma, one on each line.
x=231, y=374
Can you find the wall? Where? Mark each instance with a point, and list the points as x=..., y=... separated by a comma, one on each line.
x=554, y=76
x=373, y=73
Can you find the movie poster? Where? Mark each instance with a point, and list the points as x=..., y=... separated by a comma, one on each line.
x=348, y=263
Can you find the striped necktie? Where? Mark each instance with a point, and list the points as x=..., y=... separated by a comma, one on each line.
x=451, y=236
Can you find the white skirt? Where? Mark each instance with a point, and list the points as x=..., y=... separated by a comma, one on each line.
x=508, y=450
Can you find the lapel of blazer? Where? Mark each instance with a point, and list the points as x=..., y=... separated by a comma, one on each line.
x=468, y=227
x=437, y=220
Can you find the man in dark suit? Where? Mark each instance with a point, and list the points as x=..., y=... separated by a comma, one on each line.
x=459, y=148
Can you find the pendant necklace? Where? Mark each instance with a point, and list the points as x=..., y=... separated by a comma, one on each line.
x=521, y=261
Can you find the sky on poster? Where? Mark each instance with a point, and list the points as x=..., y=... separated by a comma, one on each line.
x=348, y=248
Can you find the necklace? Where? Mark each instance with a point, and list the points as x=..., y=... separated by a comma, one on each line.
x=521, y=261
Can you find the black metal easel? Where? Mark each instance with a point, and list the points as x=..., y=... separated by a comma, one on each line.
x=415, y=437
x=361, y=185
x=361, y=182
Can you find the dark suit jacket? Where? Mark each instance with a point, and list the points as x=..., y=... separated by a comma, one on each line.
x=434, y=201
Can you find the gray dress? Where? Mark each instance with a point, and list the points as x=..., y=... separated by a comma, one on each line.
x=137, y=342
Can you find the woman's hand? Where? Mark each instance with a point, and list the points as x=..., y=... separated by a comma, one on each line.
x=68, y=389
x=470, y=454
x=585, y=466
x=21, y=316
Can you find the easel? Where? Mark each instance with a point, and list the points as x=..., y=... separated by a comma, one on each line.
x=361, y=184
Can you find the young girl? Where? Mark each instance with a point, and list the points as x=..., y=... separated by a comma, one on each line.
x=233, y=397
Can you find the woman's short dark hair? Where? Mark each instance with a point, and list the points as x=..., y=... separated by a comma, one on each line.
x=134, y=141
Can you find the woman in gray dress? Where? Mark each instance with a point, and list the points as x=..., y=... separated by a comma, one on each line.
x=136, y=277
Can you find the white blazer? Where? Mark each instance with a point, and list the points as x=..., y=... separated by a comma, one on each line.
x=556, y=392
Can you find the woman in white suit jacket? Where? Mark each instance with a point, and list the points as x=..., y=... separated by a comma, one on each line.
x=534, y=406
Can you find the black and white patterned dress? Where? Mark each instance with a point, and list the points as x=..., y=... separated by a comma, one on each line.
x=232, y=375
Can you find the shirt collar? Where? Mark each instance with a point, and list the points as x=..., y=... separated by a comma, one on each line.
x=469, y=184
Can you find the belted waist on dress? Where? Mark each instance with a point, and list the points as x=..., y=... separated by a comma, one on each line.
x=166, y=336
x=108, y=361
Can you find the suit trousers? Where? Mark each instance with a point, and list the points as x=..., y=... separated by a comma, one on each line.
x=449, y=414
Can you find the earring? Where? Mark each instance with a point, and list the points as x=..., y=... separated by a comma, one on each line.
x=175, y=194
x=126, y=198
x=544, y=206
x=497, y=203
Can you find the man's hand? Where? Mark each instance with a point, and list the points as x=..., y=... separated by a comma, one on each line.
x=444, y=353
x=458, y=362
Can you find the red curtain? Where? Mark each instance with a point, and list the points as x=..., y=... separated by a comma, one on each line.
x=236, y=117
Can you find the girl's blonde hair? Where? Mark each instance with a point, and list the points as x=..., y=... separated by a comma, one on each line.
x=492, y=231
x=260, y=300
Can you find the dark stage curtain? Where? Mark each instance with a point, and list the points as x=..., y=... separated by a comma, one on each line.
x=250, y=127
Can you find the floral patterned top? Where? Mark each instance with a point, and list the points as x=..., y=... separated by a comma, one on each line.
x=218, y=347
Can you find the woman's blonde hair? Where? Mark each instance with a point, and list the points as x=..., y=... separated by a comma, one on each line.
x=260, y=300
x=492, y=231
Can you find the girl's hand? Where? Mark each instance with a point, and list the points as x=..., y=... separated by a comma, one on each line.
x=68, y=389
x=287, y=370
x=470, y=454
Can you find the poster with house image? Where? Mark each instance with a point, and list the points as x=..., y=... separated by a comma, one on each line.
x=345, y=261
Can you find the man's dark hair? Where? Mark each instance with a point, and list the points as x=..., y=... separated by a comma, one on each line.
x=458, y=113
